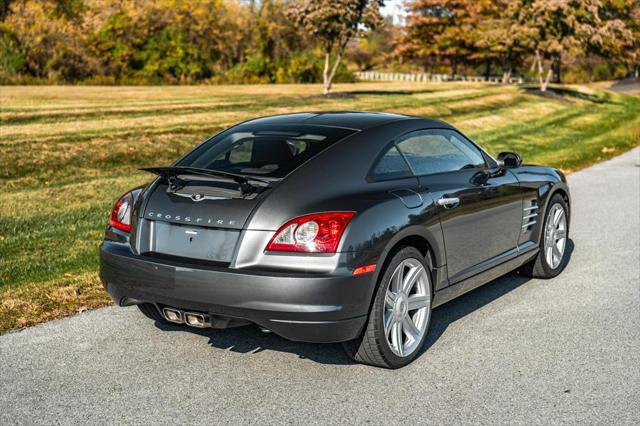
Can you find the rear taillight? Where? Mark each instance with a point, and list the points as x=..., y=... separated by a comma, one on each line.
x=121, y=215
x=314, y=233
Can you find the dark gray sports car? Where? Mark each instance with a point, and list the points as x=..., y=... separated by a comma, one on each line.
x=332, y=227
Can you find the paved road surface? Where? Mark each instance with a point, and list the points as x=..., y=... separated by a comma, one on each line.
x=515, y=351
x=628, y=85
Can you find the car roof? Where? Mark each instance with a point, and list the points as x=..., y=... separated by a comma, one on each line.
x=357, y=120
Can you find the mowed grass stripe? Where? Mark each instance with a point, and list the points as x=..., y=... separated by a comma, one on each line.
x=82, y=106
x=104, y=153
x=64, y=152
x=60, y=116
x=100, y=121
x=572, y=150
x=58, y=187
x=485, y=102
x=67, y=293
x=50, y=238
x=551, y=133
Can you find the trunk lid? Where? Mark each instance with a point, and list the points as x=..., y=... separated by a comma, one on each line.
x=200, y=203
x=201, y=220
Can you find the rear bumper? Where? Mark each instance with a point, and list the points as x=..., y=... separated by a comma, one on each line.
x=300, y=307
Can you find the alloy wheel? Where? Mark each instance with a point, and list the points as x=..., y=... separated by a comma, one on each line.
x=407, y=307
x=555, y=236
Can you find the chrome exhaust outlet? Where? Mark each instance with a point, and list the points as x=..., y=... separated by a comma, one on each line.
x=195, y=319
x=173, y=315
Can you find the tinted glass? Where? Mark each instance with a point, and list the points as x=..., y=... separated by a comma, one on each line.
x=266, y=152
x=391, y=165
x=438, y=151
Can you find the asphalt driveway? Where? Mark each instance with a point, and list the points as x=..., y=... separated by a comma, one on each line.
x=514, y=351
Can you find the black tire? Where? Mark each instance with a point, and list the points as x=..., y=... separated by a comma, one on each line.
x=538, y=267
x=151, y=311
x=372, y=346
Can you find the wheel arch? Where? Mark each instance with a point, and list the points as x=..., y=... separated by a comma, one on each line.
x=560, y=188
x=419, y=238
x=563, y=191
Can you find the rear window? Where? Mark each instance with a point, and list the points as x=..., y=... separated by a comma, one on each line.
x=267, y=152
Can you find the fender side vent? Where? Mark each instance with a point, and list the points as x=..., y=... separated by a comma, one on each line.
x=529, y=215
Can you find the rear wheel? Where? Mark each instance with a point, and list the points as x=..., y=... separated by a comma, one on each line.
x=552, y=257
x=150, y=311
x=400, y=315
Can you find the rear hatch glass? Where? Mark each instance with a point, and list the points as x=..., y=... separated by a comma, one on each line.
x=267, y=153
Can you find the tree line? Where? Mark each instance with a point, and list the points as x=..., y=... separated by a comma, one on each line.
x=303, y=41
x=515, y=34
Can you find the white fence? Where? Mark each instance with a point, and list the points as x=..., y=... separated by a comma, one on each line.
x=426, y=77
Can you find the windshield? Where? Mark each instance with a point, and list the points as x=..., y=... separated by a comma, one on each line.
x=268, y=152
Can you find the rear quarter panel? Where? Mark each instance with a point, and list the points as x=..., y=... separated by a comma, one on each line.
x=336, y=180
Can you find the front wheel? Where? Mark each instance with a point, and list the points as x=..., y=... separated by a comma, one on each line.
x=400, y=315
x=552, y=257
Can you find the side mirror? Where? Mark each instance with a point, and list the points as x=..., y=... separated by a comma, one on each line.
x=509, y=160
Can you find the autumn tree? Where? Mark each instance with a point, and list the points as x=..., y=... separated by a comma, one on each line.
x=443, y=30
x=498, y=37
x=334, y=23
x=555, y=29
x=172, y=41
x=272, y=35
x=373, y=47
x=68, y=8
x=627, y=49
x=53, y=37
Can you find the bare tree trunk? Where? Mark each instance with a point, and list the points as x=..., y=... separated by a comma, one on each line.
x=328, y=76
x=326, y=85
x=545, y=84
x=333, y=72
x=506, y=75
x=538, y=62
x=544, y=81
x=507, y=69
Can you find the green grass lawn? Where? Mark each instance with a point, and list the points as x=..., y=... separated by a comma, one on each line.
x=66, y=153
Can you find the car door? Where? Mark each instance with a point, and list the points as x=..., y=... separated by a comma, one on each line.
x=479, y=204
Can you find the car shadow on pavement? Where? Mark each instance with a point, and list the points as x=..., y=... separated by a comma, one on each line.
x=250, y=340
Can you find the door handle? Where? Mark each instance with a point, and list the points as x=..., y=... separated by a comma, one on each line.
x=449, y=202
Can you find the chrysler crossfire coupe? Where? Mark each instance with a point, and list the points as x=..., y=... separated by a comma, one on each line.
x=332, y=227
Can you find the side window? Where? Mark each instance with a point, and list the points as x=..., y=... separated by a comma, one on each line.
x=391, y=166
x=438, y=151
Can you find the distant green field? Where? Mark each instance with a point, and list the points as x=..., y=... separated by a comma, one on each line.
x=66, y=153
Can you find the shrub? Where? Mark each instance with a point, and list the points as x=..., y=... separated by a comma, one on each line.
x=11, y=59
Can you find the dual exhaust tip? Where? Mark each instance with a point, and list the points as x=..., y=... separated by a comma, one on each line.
x=193, y=319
